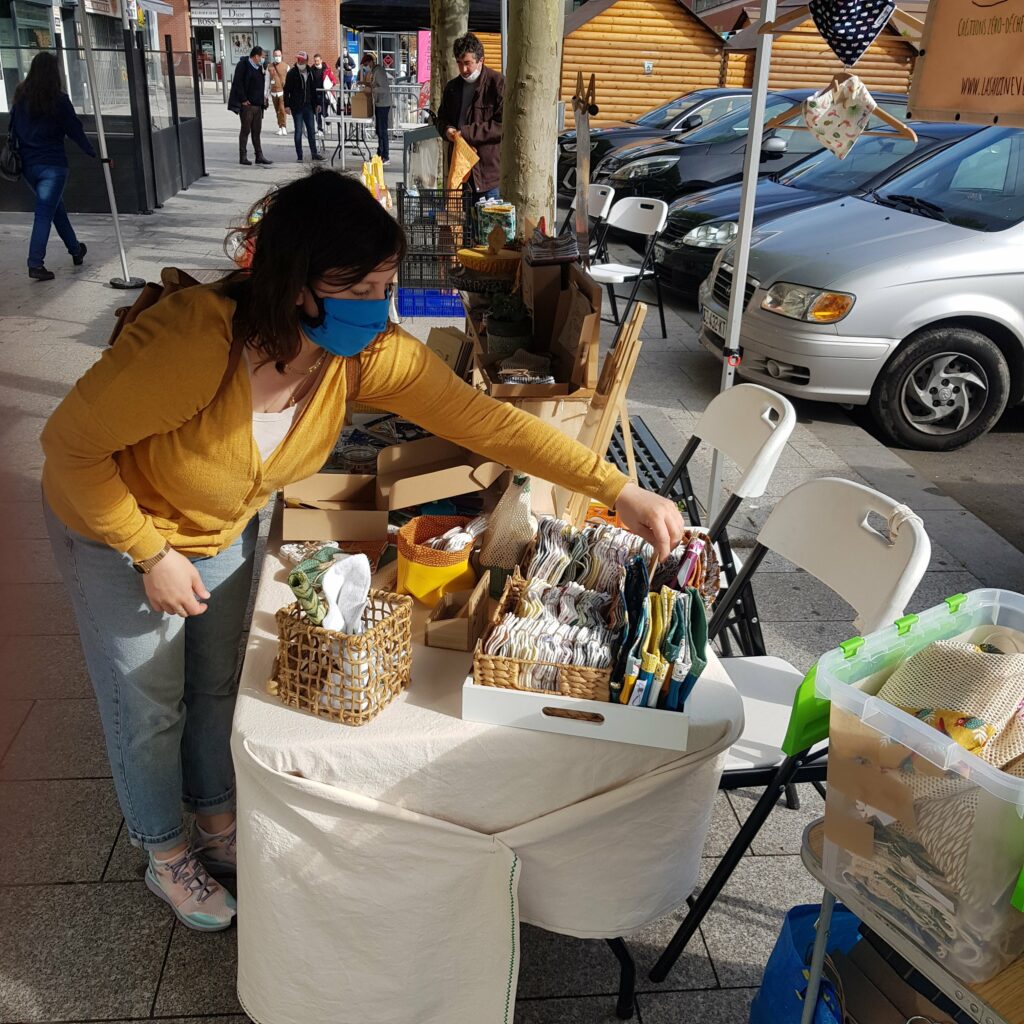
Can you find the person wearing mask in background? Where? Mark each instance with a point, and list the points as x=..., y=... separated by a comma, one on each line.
x=472, y=106
x=41, y=116
x=248, y=99
x=300, y=97
x=380, y=88
x=276, y=74
x=366, y=68
x=325, y=86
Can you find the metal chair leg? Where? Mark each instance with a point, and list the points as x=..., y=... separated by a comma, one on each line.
x=822, y=929
x=820, y=787
x=627, y=978
x=661, y=304
x=792, y=797
x=614, y=304
x=720, y=876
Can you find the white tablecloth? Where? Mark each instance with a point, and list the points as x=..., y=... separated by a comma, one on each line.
x=383, y=869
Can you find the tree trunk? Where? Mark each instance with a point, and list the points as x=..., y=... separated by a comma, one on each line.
x=532, y=81
x=449, y=19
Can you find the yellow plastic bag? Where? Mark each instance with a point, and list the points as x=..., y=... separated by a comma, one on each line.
x=425, y=573
x=464, y=159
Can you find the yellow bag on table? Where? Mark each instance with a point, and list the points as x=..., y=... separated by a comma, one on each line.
x=426, y=573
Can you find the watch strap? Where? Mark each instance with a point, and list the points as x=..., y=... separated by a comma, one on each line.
x=146, y=565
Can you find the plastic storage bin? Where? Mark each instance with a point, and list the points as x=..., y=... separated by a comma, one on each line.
x=930, y=835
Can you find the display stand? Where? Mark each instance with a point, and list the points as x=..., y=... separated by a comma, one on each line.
x=997, y=1001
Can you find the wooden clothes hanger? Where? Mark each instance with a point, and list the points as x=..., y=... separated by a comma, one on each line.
x=789, y=21
x=902, y=130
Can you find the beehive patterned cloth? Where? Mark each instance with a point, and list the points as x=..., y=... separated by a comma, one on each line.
x=838, y=115
x=850, y=26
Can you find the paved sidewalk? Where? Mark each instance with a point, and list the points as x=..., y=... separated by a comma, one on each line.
x=82, y=939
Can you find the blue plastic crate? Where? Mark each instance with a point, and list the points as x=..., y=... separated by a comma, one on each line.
x=428, y=302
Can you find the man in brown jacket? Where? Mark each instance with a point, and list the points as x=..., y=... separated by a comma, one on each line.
x=277, y=72
x=472, y=106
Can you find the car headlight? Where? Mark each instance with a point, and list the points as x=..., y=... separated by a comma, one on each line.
x=812, y=305
x=645, y=168
x=711, y=236
x=572, y=147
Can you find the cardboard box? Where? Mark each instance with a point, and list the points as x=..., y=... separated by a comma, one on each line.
x=453, y=347
x=362, y=104
x=334, y=506
x=542, y=288
x=429, y=470
x=460, y=619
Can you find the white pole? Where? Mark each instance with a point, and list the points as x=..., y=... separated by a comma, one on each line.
x=223, y=53
x=127, y=281
x=744, y=231
x=504, y=37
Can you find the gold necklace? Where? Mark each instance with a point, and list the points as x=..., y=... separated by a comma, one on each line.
x=307, y=373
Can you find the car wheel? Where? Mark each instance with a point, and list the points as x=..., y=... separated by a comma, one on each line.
x=943, y=388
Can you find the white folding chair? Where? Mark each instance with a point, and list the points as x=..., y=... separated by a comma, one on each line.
x=824, y=528
x=634, y=215
x=751, y=425
x=599, y=204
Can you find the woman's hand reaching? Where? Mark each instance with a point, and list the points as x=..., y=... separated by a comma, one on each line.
x=174, y=586
x=652, y=517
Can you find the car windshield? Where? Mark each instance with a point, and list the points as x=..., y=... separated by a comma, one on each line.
x=735, y=125
x=871, y=156
x=663, y=117
x=977, y=183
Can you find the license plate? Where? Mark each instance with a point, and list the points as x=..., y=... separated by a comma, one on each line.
x=713, y=322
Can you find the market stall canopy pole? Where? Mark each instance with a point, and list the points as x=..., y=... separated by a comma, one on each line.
x=744, y=233
x=127, y=281
x=504, y=34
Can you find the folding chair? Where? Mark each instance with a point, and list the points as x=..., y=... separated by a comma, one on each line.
x=646, y=218
x=599, y=204
x=822, y=527
x=751, y=425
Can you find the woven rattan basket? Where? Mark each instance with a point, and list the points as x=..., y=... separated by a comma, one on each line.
x=349, y=679
x=512, y=673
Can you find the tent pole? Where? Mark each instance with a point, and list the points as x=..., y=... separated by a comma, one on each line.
x=127, y=281
x=744, y=231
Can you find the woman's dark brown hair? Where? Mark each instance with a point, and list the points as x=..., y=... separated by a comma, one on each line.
x=323, y=226
x=41, y=87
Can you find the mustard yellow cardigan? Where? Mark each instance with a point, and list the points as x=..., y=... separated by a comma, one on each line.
x=140, y=453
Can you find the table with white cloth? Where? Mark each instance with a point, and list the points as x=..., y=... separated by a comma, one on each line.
x=383, y=869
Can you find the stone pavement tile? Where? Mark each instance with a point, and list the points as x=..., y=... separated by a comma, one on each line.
x=782, y=832
x=230, y=1019
x=35, y=609
x=200, y=974
x=876, y=465
x=723, y=827
x=56, y=672
x=58, y=831
x=61, y=739
x=803, y=643
x=28, y=561
x=994, y=561
x=717, y=1006
x=80, y=952
x=592, y=1010
x=127, y=863
x=741, y=929
x=797, y=597
x=23, y=520
x=936, y=586
x=12, y=717
x=19, y=485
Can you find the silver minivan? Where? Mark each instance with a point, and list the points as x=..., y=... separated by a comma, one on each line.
x=909, y=300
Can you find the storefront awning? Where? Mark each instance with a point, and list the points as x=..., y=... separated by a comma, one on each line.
x=156, y=7
x=406, y=16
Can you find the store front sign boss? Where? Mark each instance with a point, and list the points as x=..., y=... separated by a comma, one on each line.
x=970, y=67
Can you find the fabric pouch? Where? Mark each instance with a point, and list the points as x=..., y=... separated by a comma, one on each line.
x=838, y=116
x=425, y=573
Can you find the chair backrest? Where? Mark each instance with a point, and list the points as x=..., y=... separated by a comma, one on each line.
x=822, y=526
x=639, y=215
x=599, y=201
x=751, y=425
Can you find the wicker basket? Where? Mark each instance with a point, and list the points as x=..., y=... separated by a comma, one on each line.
x=349, y=679
x=508, y=673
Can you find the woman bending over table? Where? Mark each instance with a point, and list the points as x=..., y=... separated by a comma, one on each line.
x=161, y=456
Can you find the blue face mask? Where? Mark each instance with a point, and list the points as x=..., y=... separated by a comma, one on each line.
x=347, y=326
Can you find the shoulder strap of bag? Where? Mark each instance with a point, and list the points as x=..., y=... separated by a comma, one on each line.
x=353, y=375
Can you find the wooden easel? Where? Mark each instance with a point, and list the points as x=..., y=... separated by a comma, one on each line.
x=609, y=405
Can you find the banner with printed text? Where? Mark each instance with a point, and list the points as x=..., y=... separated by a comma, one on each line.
x=971, y=66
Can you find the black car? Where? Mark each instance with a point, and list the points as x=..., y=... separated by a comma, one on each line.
x=713, y=154
x=670, y=120
x=699, y=225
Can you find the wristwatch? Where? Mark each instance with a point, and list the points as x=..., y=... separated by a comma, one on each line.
x=147, y=564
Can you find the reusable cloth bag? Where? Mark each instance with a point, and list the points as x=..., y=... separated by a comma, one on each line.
x=464, y=159
x=425, y=573
x=837, y=116
x=850, y=26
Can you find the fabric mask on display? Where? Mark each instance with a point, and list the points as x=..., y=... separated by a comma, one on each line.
x=347, y=326
x=838, y=115
x=850, y=26
x=474, y=76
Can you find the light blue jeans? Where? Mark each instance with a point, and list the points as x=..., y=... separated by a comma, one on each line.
x=165, y=685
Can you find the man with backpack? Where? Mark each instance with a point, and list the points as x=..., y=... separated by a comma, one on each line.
x=248, y=99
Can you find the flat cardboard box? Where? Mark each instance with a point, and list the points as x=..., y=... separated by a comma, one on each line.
x=577, y=327
x=335, y=506
x=907, y=1000
x=453, y=347
x=362, y=104
x=429, y=470
x=864, y=1003
x=460, y=619
x=542, y=287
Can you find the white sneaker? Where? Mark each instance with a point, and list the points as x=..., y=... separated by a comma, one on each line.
x=196, y=899
x=216, y=850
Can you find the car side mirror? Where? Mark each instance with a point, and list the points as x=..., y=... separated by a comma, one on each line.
x=690, y=122
x=774, y=146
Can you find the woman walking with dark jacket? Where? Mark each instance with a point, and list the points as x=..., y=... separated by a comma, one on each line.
x=41, y=116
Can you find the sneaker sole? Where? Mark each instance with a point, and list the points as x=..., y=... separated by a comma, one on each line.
x=154, y=887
